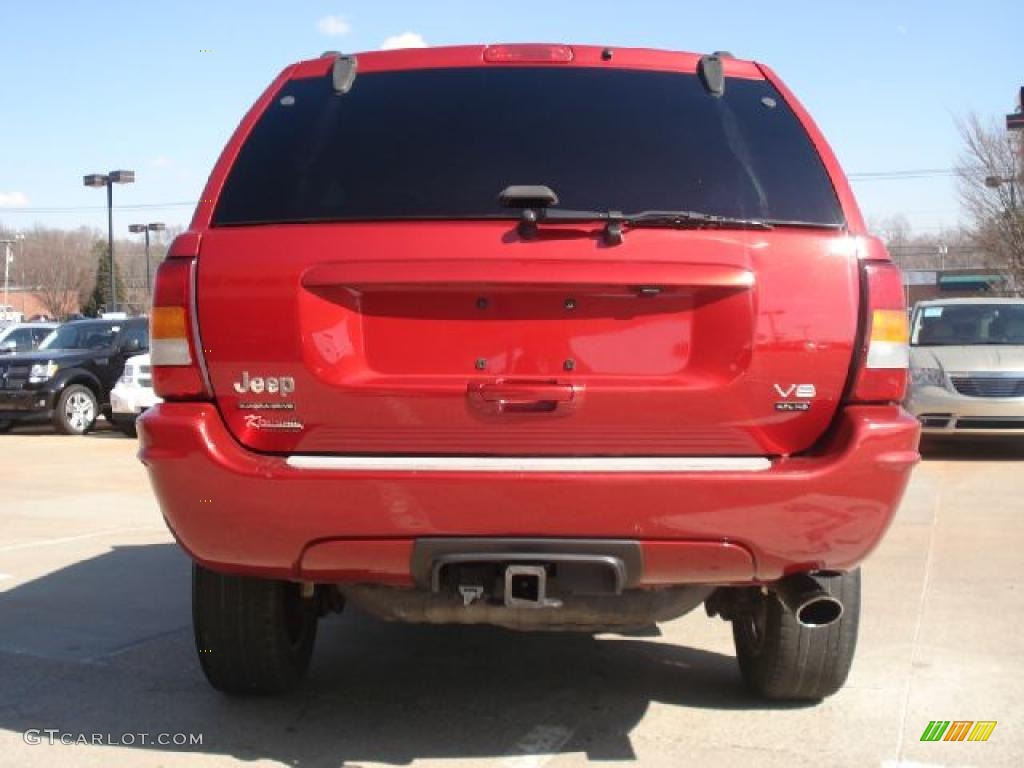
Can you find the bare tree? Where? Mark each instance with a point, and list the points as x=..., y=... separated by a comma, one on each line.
x=55, y=265
x=989, y=183
x=59, y=267
x=131, y=256
x=895, y=230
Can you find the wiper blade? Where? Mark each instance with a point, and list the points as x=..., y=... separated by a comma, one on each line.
x=678, y=219
x=615, y=220
x=693, y=220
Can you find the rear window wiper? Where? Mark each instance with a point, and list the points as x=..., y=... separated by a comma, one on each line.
x=536, y=203
x=614, y=221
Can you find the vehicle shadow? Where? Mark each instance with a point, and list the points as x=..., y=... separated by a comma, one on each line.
x=972, y=448
x=104, y=647
x=102, y=430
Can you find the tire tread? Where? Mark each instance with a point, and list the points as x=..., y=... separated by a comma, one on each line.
x=241, y=636
x=803, y=663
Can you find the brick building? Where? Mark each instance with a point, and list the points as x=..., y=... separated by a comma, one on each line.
x=28, y=302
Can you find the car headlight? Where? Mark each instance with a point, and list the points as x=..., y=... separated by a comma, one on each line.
x=127, y=375
x=927, y=377
x=41, y=372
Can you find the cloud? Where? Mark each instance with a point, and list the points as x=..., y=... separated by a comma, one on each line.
x=333, y=26
x=404, y=40
x=161, y=161
x=13, y=200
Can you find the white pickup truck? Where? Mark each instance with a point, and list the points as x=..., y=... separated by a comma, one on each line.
x=132, y=394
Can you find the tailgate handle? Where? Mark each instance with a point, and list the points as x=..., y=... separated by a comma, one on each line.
x=521, y=396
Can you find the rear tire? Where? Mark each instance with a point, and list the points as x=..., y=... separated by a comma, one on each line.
x=782, y=660
x=5, y=425
x=253, y=636
x=76, y=410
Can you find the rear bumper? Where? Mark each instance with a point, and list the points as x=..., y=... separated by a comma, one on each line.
x=947, y=413
x=240, y=511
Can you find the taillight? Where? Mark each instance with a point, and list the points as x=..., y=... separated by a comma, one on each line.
x=527, y=54
x=885, y=353
x=174, y=355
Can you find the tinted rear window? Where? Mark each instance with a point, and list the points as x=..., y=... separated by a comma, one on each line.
x=444, y=143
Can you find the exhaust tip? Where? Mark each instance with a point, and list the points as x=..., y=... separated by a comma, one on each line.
x=808, y=600
x=820, y=612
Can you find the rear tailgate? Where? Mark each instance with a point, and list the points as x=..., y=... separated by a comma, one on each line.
x=442, y=338
x=360, y=289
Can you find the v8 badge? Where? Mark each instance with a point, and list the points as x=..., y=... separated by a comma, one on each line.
x=796, y=390
x=802, y=394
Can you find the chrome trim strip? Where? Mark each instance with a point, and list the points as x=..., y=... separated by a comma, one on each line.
x=529, y=464
x=194, y=311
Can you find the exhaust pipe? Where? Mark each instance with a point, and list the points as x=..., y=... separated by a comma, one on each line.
x=808, y=600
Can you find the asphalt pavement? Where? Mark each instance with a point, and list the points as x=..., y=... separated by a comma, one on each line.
x=95, y=641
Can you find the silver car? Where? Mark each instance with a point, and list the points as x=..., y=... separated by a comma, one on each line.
x=967, y=366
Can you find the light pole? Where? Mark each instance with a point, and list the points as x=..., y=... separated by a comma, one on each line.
x=108, y=180
x=153, y=226
x=994, y=182
x=8, y=257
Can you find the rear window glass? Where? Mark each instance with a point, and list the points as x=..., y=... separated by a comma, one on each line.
x=443, y=143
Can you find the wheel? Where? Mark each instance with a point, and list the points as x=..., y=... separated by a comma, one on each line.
x=5, y=425
x=253, y=636
x=125, y=424
x=76, y=410
x=781, y=659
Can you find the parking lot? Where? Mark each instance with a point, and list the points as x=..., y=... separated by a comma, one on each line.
x=95, y=638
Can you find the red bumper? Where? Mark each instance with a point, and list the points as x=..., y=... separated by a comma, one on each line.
x=236, y=510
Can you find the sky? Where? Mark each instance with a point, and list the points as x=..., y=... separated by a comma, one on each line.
x=158, y=87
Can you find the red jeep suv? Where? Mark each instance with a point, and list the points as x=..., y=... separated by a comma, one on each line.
x=542, y=336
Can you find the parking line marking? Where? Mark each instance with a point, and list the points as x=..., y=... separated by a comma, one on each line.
x=66, y=539
x=916, y=642
x=538, y=747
